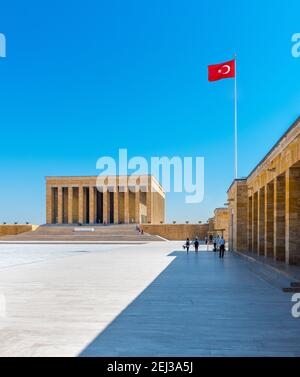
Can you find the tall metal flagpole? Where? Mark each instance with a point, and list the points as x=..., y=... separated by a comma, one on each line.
x=235, y=124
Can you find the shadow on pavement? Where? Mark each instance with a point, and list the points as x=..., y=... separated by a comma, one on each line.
x=203, y=306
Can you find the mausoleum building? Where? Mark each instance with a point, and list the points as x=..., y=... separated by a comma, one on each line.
x=110, y=200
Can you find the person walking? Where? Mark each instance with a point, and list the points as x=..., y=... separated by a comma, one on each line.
x=215, y=243
x=196, y=244
x=187, y=245
x=222, y=248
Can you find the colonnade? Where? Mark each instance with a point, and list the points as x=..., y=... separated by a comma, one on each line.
x=87, y=205
x=274, y=217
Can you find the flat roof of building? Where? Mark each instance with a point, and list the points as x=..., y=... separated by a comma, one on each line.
x=95, y=176
x=236, y=180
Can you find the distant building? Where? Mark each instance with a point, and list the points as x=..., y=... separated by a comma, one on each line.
x=264, y=208
x=77, y=199
x=221, y=222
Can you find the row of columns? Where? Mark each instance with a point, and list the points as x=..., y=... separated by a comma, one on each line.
x=274, y=218
x=91, y=191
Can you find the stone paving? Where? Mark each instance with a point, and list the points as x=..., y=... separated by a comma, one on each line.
x=140, y=300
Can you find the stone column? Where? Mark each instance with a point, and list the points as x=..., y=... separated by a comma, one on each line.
x=126, y=206
x=269, y=220
x=59, y=205
x=92, y=205
x=254, y=222
x=149, y=200
x=116, y=205
x=80, y=204
x=149, y=206
x=241, y=215
x=279, y=218
x=249, y=244
x=292, y=219
x=137, y=207
x=49, y=205
x=261, y=222
x=231, y=230
x=238, y=203
x=70, y=205
x=105, y=206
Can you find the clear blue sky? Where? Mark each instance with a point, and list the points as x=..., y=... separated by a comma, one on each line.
x=83, y=79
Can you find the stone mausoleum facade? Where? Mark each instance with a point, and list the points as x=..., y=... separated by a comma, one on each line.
x=99, y=200
x=264, y=208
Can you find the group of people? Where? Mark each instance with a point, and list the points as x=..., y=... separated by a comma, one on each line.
x=217, y=241
x=189, y=243
x=140, y=230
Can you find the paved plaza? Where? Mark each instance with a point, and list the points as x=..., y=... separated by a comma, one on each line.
x=140, y=300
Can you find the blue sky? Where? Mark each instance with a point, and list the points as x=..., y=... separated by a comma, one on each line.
x=83, y=79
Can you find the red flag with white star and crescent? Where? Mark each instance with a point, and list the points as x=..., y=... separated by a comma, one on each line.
x=221, y=71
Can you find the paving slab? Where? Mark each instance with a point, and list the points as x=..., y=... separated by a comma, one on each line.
x=140, y=300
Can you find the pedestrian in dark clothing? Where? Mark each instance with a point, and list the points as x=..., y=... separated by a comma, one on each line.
x=222, y=248
x=187, y=245
x=196, y=244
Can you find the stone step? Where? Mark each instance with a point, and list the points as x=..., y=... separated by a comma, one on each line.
x=112, y=232
x=291, y=290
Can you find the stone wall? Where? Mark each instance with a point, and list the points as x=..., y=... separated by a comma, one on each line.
x=158, y=208
x=12, y=229
x=221, y=221
x=177, y=231
x=238, y=215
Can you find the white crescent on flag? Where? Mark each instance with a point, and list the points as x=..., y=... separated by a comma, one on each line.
x=227, y=69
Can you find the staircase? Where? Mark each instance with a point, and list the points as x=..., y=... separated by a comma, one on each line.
x=114, y=233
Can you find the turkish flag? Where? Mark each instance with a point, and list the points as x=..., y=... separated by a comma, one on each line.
x=221, y=71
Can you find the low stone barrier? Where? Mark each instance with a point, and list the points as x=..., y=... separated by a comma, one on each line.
x=12, y=229
x=177, y=232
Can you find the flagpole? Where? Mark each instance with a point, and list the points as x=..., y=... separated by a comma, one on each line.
x=235, y=124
